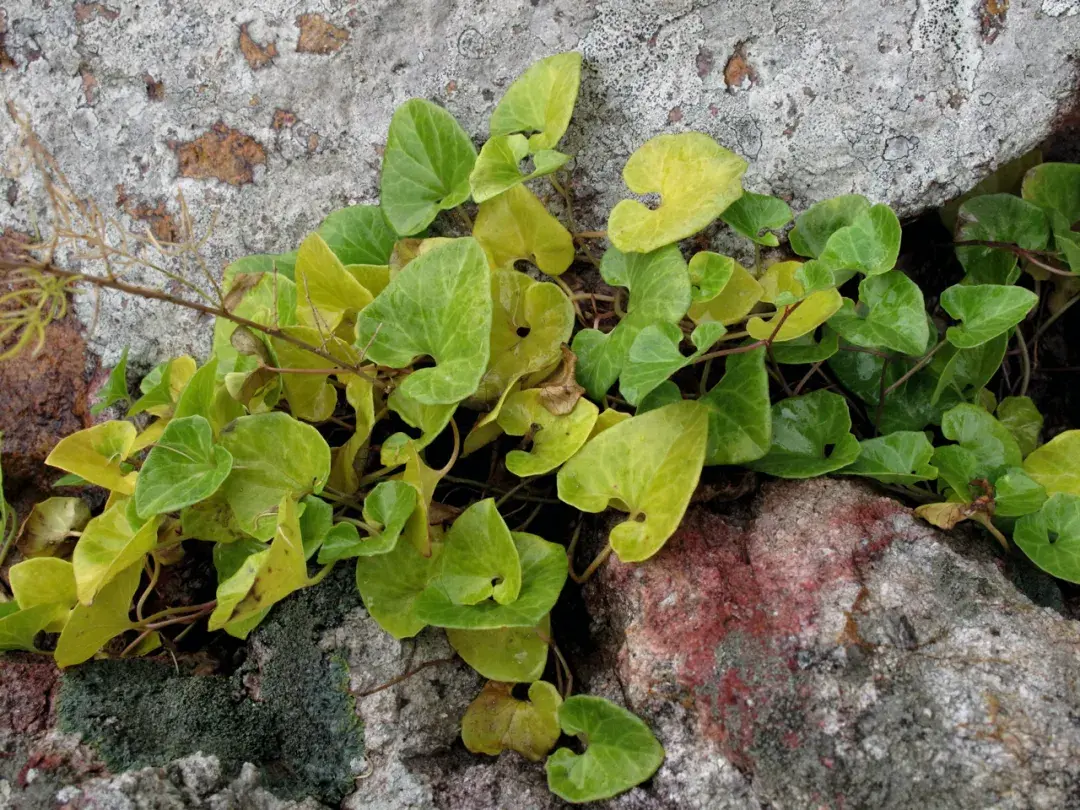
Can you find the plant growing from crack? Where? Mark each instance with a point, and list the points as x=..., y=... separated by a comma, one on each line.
x=354, y=379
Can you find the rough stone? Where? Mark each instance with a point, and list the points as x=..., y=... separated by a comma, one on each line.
x=910, y=104
x=830, y=650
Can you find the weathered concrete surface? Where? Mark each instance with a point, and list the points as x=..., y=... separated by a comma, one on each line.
x=272, y=115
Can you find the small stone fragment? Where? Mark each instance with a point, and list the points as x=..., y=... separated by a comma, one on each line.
x=155, y=90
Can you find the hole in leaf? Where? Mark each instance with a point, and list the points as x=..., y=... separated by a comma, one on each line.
x=1051, y=537
x=827, y=450
x=639, y=517
x=651, y=200
x=523, y=331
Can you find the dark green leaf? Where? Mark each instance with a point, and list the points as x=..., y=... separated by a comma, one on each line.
x=1051, y=537
x=754, y=215
x=986, y=310
x=740, y=422
x=810, y=437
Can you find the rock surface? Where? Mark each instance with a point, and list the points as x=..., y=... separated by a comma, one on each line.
x=274, y=115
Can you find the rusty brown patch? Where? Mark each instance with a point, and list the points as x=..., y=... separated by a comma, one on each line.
x=26, y=697
x=84, y=12
x=992, y=15
x=675, y=115
x=155, y=90
x=156, y=215
x=704, y=62
x=739, y=74
x=222, y=153
x=283, y=119
x=257, y=56
x=90, y=86
x=319, y=36
x=6, y=61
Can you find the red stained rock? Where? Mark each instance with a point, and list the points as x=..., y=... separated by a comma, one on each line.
x=28, y=686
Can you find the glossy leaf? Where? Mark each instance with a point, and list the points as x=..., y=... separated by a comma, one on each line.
x=710, y=274
x=391, y=583
x=509, y=654
x=358, y=234
x=266, y=577
x=986, y=310
x=608, y=418
x=426, y=166
x=620, y=751
x=648, y=466
x=326, y=293
x=430, y=420
x=811, y=436
x=439, y=305
x=387, y=507
x=1017, y=494
x=984, y=448
x=1051, y=537
x=348, y=460
x=90, y=627
x=998, y=218
x=45, y=581
x=1023, y=421
x=51, y=525
x=754, y=215
x=543, y=574
x=206, y=396
x=530, y=322
x=109, y=544
x=733, y=302
x=115, y=388
x=1056, y=465
x=696, y=178
x=515, y=226
x=184, y=467
x=268, y=299
x=793, y=321
x=554, y=438
x=1055, y=187
x=902, y=458
x=540, y=101
x=259, y=479
x=497, y=721
x=891, y=315
x=95, y=455
x=740, y=421
x=316, y=518
x=497, y=168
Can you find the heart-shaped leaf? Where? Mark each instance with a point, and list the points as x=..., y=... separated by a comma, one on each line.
x=986, y=310
x=805, y=350
x=540, y=101
x=620, y=751
x=423, y=479
x=51, y=525
x=754, y=215
x=184, y=467
x=734, y=301
x=709, y=274
x=1023, y=420
x=961, y=372
x=386, y=508
x=509, y=654
x=984, y=448
x=312, y=397
x=666, y=393
x=95, y=455
x=816, y=225
x=811, y=436
x=45, y=581
x=516, y=226
x=259, y=480
x=740, y=422
x=1055, y=187
x=430, y=420
x=554, y=438
x=1017, y=494
x=326, y=292
x=110, y=544
x=696, y=178
x=161, y=388
x=269, y=576
x=892, y=316
x=998, y=218
x=426, y=166
x=902, y=457
x=798, y=315
x=498, y=169
x=18, y=628
x=206, y=396
x=91, y=627
x=654, y=356
x=530, y=322
x=1051, y=537
x=440, y=306
x=648, y=466
x=870, y=244
x=115, y=388
x=391, y=583
x=543, y=574
x=497, y=721
x=358, y=234
x=1056, y=465
x=480, y=560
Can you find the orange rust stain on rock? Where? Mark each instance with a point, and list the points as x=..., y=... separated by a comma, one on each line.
x=257, y=56
x=6, y=61
x=992, y=15
x=84, y=12
x=156, y=215
x=222, y=153
x=319, y=36
x=739, y=74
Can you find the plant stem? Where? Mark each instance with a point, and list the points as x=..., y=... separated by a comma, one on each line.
x=1053, y=318
x=923, y=361
x=1025, y=362
x=395, y=681
x=594, y=566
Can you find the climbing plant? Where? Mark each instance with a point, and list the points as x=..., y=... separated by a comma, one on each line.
x=352, y=380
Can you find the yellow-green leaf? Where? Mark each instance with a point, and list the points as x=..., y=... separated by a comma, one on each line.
x=51, y=524
x=696, y=179
x=96, y=453
x=515, y=226
x=497, y=168
x=312, y=397
x=734, y=301
x=480, y=560
x=45, y=581
x=540, y=101
x=1056, y=465
x=648, y=466
x=326, y=293
x=90, y=627
x=510, y=654
x=554, y=438
x=391, y=583
x=497, y=721
x=110, y=544
x=161, y=388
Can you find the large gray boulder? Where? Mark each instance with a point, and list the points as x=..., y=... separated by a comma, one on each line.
x=272, y=114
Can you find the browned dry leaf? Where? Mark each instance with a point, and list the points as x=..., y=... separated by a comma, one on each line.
x=560, y=392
